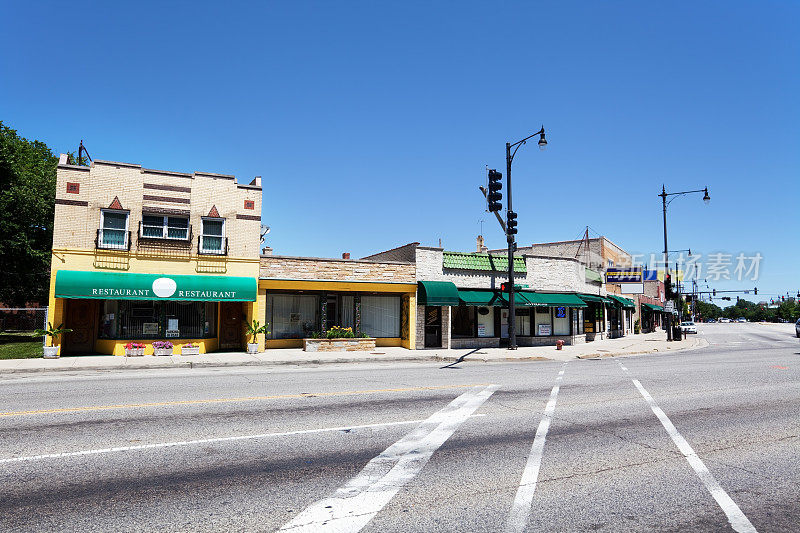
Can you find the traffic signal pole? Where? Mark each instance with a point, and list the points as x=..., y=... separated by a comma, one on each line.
x=667, y=316
x=512, y=311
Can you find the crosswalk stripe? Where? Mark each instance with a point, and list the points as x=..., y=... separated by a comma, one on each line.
x=737, y=519
x=521, y=508
x=357, y=502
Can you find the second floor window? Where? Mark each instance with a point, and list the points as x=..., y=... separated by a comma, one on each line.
x=114, y=229
x=213, y=237
x=161, y=227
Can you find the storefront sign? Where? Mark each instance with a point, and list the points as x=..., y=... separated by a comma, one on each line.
x=481, y=330
x=631, y=288
x=125, y=286
x=545, y=329
x=624, y=275
x=150, y=328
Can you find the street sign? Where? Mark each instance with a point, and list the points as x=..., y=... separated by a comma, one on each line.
x=669, y=307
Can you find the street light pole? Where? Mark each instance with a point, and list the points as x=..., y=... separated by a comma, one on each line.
x=512, y=312
x=664, y=194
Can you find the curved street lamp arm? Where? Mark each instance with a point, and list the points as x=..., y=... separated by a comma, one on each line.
x=517, y=144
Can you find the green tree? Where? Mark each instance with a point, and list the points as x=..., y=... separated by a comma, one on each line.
x=27, y=197
x=707, y=310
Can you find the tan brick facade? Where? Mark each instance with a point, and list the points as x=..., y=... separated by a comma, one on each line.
x=313, y=268
x=77, y=215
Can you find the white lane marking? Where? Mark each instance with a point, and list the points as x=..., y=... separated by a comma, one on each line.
x=737, y=519
x=357, y=502
x=518, y=518
x=201, y=441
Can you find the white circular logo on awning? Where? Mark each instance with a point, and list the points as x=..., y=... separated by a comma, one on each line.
x=164, y=287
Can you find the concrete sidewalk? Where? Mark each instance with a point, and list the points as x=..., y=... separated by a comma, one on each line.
x=630, y=345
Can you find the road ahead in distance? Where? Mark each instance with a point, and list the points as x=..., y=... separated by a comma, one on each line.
x=701, y=440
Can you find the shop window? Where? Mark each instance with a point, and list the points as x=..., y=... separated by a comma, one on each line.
x=380, y=316
x=523, y=318
x=485, y=321
x=543, y=324
x=560, y=321
x=464, y=322
x=130, y=319
x=113, y=229
x=165, y=227
x=292, y=316
x=212, y=239
x=580, y=321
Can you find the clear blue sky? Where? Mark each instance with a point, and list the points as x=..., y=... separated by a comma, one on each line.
x=372, y=123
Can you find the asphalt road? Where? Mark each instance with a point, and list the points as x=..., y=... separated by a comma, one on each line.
x=701, y=440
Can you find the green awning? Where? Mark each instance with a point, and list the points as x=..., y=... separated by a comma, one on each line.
x=126, y=286
x=629, y=304
x=437, y=293
x=653, y=307
x=520, y=299
x=481, y=298
x=554, y=299
x=591, y=298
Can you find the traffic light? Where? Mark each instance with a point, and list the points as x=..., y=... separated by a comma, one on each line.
x=715, y=292
x=755, y=290
x=668, y=286
x=511, y=223
x=495, y=195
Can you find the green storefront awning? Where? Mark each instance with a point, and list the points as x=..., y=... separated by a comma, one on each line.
x=591, y=275
x=653, y=307
x=481, y=298
x=520, y=299
x=554, y=299
x=126, y=286
x=437, y=293
x=629, y=304
x=591, y=298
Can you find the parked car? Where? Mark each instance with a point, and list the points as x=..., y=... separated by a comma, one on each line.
x=741, y=319
x=711, y=321
x=688, y=327
x=797, y=328
x=724, y=320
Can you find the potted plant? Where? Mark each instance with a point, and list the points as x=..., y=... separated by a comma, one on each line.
x=190, y=349
x=134, y=349
x=51, y=352
x=253, y=329
x=162, y=348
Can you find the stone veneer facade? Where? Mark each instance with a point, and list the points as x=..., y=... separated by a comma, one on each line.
x=316, y=268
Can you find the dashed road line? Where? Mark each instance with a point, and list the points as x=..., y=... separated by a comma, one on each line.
x=521, y=508
x=737, y=519
x=90, y=408
x=357, y=502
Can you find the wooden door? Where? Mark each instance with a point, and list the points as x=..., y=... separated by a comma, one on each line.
x=230, y=327
x=81, y=317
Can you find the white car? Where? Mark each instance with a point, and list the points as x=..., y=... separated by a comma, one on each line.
x=688, y=327
x=724, y=320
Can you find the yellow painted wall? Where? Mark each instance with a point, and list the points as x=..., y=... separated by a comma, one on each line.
x=117, y=347
x=147, y=263
x=410, y=289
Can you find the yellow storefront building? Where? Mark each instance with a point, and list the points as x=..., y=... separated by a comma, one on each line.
x=143, y=256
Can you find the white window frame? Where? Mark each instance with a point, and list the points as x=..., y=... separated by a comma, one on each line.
x=100, y=243
x=205, y=250
x=165, y=227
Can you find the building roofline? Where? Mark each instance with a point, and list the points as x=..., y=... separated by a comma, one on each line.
x=74, y=167
x=167, y=172
x=115, y=163
x=415, y=244
x=214, y=175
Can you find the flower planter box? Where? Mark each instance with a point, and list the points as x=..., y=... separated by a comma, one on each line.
x=252, y=348
x=134, y=352
x=51, y=352
x=162, y=351
x=190, y=351
x=339, y=345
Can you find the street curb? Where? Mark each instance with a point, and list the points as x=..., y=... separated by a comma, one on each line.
x=321, y=362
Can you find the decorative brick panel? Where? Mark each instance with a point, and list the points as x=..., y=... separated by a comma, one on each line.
x=73, y=188
x=249, y=204
x=310, y=268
